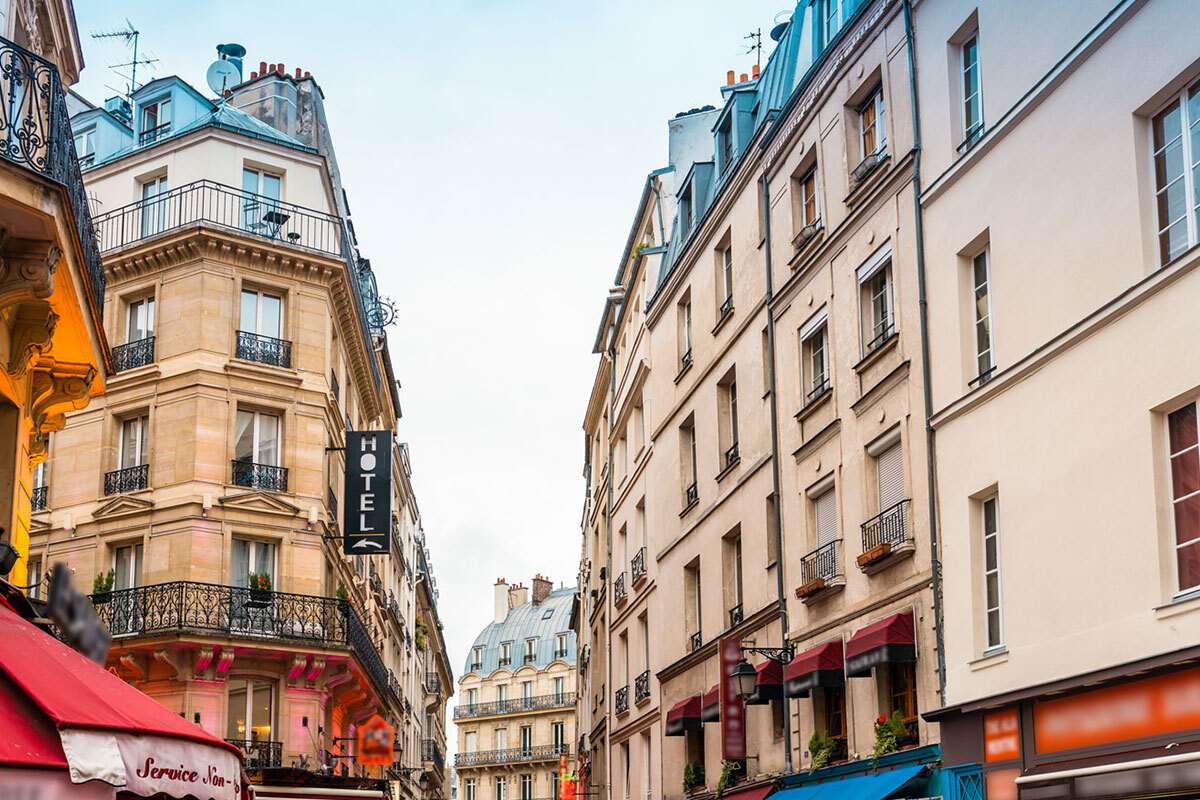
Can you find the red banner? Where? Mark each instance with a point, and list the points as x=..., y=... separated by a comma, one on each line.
x=733, y=712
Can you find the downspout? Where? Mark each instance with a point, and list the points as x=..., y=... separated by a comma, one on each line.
x=608, y=510
x=775, y=468
x=935, y=562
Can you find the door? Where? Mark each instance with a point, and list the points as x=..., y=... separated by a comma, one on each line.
x=141, y=320
x=154, y=205
x=134, y=442
x=250, y=715
x=261, y=314
x=252, y=611
x=260, y=203
x=526, y=739
x=125, y=605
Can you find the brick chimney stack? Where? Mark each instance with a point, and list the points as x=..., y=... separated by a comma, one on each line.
x=541, y=588
x=501, y=605
x=518, y=595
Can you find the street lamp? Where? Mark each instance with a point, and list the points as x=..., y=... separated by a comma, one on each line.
x=746, y=677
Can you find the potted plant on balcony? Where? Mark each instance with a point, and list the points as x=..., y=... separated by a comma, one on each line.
x=693, y=778
x=876, y=553
x=810, y=587
x=820, y=749
x=259, y=584
x=102, y=586
x=731, y=771
x=422, y=635
x=890, y=732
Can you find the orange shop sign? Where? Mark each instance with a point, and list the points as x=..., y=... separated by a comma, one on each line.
x=1001, y=736
x=1138, y=710
x=376, y=741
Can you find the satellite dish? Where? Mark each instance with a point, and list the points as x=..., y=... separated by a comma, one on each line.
x=223, y=75
x=777, y=32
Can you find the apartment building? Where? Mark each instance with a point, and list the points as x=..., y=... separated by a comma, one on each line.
x=1064, y=394
x=515, y=714
x=52, y=292
x=199, y=500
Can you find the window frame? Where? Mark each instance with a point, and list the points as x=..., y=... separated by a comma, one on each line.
x=256, y=452
x=141, y=441
x=878, y=126
x=987, y=571
x=142, y=306
x=1172, y=455
x=1191, y=162
x=981, y=373
x=809, y=194
x=259, y=295
x=971, y=130
x=814, y=342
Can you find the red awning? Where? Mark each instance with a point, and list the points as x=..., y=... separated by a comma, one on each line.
x=751, y=794
x=768, y=685
x=683, y=715
x=710, y=710
x=889, y=640
x=822, y=665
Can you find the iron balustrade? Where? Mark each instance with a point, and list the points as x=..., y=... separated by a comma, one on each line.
x=530, y=658
x=886, y=328
x=982, y=378
x=433, y=683
x=560, y=654
x=727, y=307
x=512, y=755
x=87, y=160
x=695, y=641
x=132, y=355
x=35, y=134
x=260, y=754
x=264, y=349
x=819, y=387
x=821, y=564
x=38, y=498
x=685, y=360
x=622, y=699
x=619, y=589
x=520, y=705
x=691, y=495
x=889, y=527
x=641, y=687
x=505, y=662
x=476, y=666
x=731, y=455
x=129, y=479
x=637, y=566
x=151, y=135
x=735, y=615
x=260, y=476
x=430, y=752
x=331, y=501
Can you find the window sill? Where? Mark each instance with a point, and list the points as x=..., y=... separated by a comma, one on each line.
x=886, y=346
x=869, y=178
x=810, y=408
x=990, y=658
x=689, y=507
x=800, y=247
x=728, y=315
x=728, y=469
x=684, y=371
x=1181, y=603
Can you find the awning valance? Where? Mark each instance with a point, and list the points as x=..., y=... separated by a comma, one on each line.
x=768, y=685
x=874, y=786
x=888, y=641
x=823, y=665
x=710, y=710
x=683, y=716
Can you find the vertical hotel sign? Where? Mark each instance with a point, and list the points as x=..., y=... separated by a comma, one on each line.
x=733, y=713
x=367, y=519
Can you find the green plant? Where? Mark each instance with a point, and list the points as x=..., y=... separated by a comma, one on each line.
x=820, y=747
x=693, y=776
x=888, y=733
x=103, y=582
x=341, y=591
x=260, y=581
x=422, y=635
x=729, y=772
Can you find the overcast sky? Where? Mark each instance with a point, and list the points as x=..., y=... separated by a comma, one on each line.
x=493, y=151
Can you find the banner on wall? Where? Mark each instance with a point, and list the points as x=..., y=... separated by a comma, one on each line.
x=733, y=712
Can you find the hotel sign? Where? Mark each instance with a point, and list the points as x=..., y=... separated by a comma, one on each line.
x=733, y=712
x=367, y=518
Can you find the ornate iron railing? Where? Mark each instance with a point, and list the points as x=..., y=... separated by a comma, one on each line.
x=637, y=566
x=890, y=527
x=133, y=354
x=695, y=641
x=512, y=755
x=883, y=331
x=431, y=753
x=38, y=498
x=129, y=479
x=520, y=705
x=821, y=564
x=622, y=699
x=691, y=495
x=260, y=476
x=619, y=589
x=151, y=135
x=433, y=682
x=735, y=615
x=820, y=386
x=35, y=127
x=731, y=455
x=260, y=754
x=264, y=349
x=641, y=687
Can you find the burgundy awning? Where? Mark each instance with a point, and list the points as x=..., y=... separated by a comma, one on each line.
x=768, y=685
x=889, y=641
x=683, y=716
x=823, y=665
x=710, y=710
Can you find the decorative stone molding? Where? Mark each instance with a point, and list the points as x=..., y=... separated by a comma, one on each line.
x=26, y=269
x=165, y=657
x=56, y=388
x=30, y=335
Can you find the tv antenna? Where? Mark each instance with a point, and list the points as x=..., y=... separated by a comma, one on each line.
x=129, y=34
x=755, y=37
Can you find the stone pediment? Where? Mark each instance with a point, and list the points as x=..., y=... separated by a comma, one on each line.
x=259, y=501
x=121, y=505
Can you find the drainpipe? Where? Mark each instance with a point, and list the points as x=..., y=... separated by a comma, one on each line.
x=775, y=468
x=608, y=509
x=935, y=562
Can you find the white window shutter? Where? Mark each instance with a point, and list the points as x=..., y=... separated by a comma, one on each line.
x=826, y=514
x=889, y=475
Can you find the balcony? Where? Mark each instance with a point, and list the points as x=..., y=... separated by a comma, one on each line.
x=152, y=135
x=884, y=330
x=619, y=594
x=431, y=753
x=132, y=355
x=691, y=496
x=821, y=572
x=129, y=479
x=731, y=457
x=886, y=538
x=622, y=700
x=637, y=567
x=264, y=349
x=39, y=497
x=513, y=755
x=433, y=683
x=267, y=477
x=695, y=641
x=736, y=616
x=260, y=754
x=207, y=609
x=521, y=705
x=641, y=688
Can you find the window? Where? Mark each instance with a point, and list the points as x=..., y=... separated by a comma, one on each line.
x=1185, y=495
x=251, y=557
x=691, y=604
x=814, y=364
x=469, y=784
x=991, y=574
x=127, y=566
x=902, y=692
x=156, y=120
x=772, y=531
x=872, y=119
x=727, y=420
x=825, y=517
x=530, y=650
x=725, y=259
x=554, y=786
x=732, y=551
x=646, y=765
x=875, y=282
x=261, y=314
x=502, y=693
x=832, y=701
x=889, y=478
x=257, y=438
x=1176, y=140
x=687, y=461
x=526, y=738
x=831, y=20
x=806, y=187
x=685, y=332
x=685, y=212
x=141, y=320
x=476, y=658
x=526, y=787
x=251, y=710
x=85, y=147
x=472, y=700
x=725, y=137
x=560, y=645
x=984, y=361
x=501, y=738
x=560, y=686
x=526, y=691
x=260, y=203
x=625, y=768
x=505, y=653
x=558, y=735
x=501, y=786
x=972, y=91
x=134, y=444
x=154, y=207
x=34, y=577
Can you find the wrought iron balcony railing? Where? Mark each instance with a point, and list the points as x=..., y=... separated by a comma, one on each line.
x=264, y=349
x=520, y=705
x=260, y=476
x=431, y=753
x=691, y=495
x=622, y=699
x=727, y=307
x=637, y=566
x=530, y=658
x=151, y=135
x=731, y=455
x=35, y=134
x=260, y=754
x=890, y=527
x=735, y=616
x=433, y=682
x=884, y=329
x=235, y=612
x=512, y=755
x=619, y=589
x=685, y=360
x=695, y=641
x=821, y=564
x=641, y=687
x=132, y=355
x=39, y=497
x=820, y=386
x=129, y=479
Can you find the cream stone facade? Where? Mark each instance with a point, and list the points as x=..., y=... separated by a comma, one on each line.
x=516, y=698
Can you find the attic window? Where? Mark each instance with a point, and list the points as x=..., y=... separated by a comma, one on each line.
x=548, y=613
x=156, y=120
x=685, y=211
x=725, y=139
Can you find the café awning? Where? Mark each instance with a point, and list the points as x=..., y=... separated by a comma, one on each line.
x=710, y=710
x=683, y=716
x=768, y=685
x=823, y=665
x=888, y=641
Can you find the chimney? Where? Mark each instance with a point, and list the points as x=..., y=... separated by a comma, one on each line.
x=518, y=595
x=298, y=73
x=501, y=600
x=541, y=588
x=307, y=74
x=754, y=73
x=253, y=75
x=262, y=68
x=729, y=79
x=745, y=77
x=280, y=69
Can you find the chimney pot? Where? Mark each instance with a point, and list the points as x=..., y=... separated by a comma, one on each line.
x=755, y=72
x=297, y=73
x=280, y=69
x=262, y=68
x=745, y=77
x=541, y=588
x=307, y=74
x=253, y=75
x=729, y=78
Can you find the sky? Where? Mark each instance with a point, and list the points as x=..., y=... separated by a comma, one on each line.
x=494, y=152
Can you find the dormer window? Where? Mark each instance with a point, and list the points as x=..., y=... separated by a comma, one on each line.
x=725, y=141
x=685, y=212
x=156, y=120
x=85, y=147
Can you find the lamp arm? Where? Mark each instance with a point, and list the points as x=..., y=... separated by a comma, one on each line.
x=781, y=655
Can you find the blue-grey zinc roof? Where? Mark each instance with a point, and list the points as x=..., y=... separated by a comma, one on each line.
x=525, y=621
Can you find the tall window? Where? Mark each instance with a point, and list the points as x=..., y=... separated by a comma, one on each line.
x=260, y=204
x=972, y=91
x=502, y=693
x=526, y=787
x=469, y=788
x=733, y=576
x=625, y=767
x=980, y=273
x=725, y=255
x=251, y=557
x=134, y=446
x=501, y=739
x=34, y=576
x=889, y=477
x=530, y=650
x=472, y=741
x=685, y=332
x=501, y=788
x=526, y=738
x=727, y=423
x=725, y=135
x=872, y=119
x=261, y=313
x=825, y=517
x=991, y=574
x=691, y=604
x=560, y=645
x=251, y=710
x=127, y=566
x=555, y=791
x=257, y=438
x=477, y=657
x=875, y=281
x=831, y=20
x=154, y=216
x=814, y=359
x=505, y=653
x=472, y=699
x=85, y=146
x=558, y=735
x=1185, y=495
x=1176, y=133
x=902, y=691
x=687, y=461
x=141, y=320
x=807, y=187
